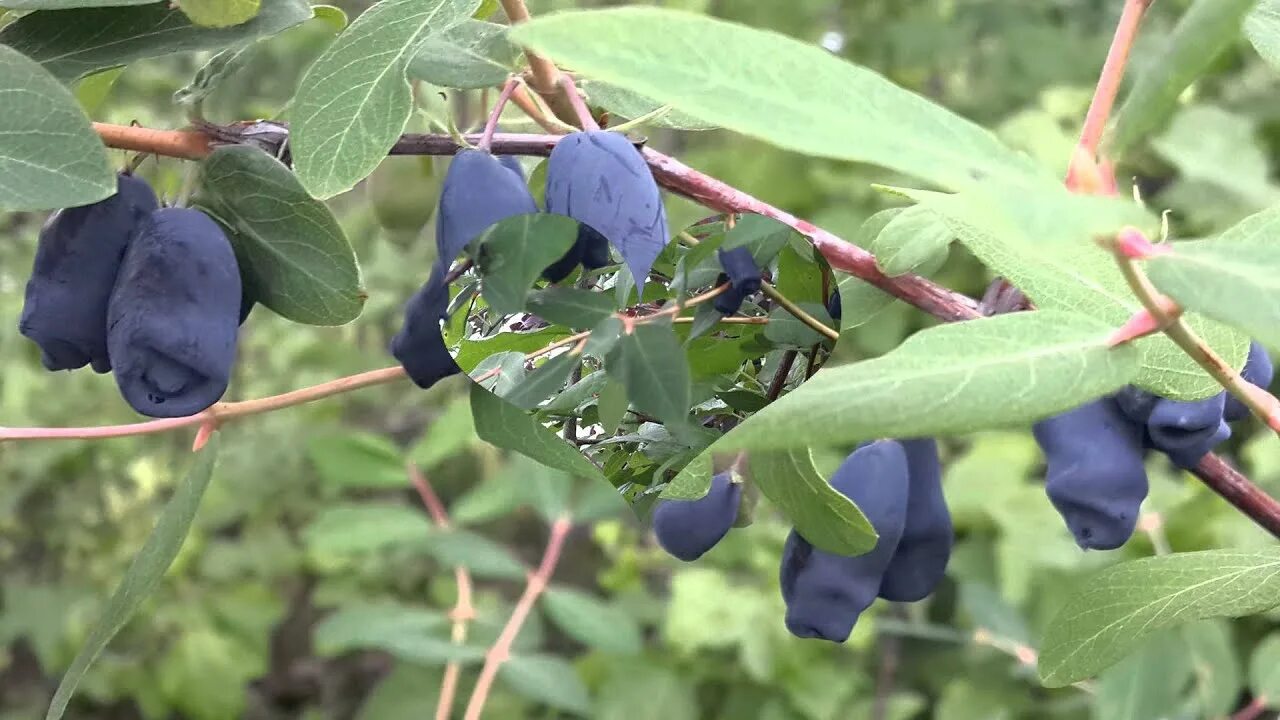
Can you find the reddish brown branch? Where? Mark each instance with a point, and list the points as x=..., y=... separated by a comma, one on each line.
x=501, y=650
x=463, y=611
x=677, y=177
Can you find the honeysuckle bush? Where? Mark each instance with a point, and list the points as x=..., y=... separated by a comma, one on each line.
x=311, y=511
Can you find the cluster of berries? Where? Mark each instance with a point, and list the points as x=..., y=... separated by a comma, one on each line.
x=151, y=294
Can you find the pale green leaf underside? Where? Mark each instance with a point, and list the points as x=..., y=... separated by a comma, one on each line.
x=823, y=516
x=144, y=573
x=74, y=43
x=1234, y=278
x=292, y=250
x=1043, y=241
x=1127, y=602
x=353, y=102
x=797, y=96
x=953, y=379
x=475, y=54
x=219, y=13
x=1262, y=27
x=50, y=157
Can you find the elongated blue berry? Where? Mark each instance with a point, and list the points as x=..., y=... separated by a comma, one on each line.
x=1095, y=476
x=920, y=562
x=599, y=179
x=1187, y=431
x=479, y=192
x=174, y=315
x=1258, y=370
x=77, y=260
x=689, y=528
x=419, y=346
x=826, y=593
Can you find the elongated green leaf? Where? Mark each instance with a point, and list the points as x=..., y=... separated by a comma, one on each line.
x=366, y=527
x=1264, y=670
x=763, y=84
x=788, y=330
x=544, y=382
x=1043, y=241
x=92, y=91
x=1125, y=603
x=480, y=555
x=1148, y=684
x=1234, y=278
x=502, y=424
x=952, y=379
x=651, y=364
x=826, y=518
x=613, y=405
x=474, y=54
x=50, y=157
x=575, y=308
x=1262, y=27
x=514, y=253
x=1207, y=29
x=547, y=679
x=207, y=78
x=292, y=251
x=1218, y=677
x=912, y=239
x=472, y=352
x=353, y=102
x=74, y=43
x=364, y=625
x=219, y=13
x=592, y=622
x=628, y=105
x=144, y=573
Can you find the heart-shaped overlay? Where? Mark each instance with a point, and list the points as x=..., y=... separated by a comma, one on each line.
x=643, y=388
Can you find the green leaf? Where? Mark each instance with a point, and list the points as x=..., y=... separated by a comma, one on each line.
x=449, y=434
x=651, y=364
x=774, y=88
x=502, y=424
x=219, y=13
x=69, y=4
x=501, y=372
x=613, y=405
x=472, y=352
x=546, y=381
x=92, y=91
x=292, y=252
x=641, y=690
x=144, y=574
x=592, y=621
x=1264, y=670
x=369, y=624
x=950, y=379
x=819, y=512
x=787, y=330
x=1125, y=603
x=364, y=528
x=474, y=54
x=51, y=158
x=513, y=253
x=548, y=680
x=1262, y=27
x=357, y=460
x=1042, y=240
x=1207, y=29
x=353, y=102
x=1148, y=684
x=912, y=239
x=627, y=105
x=578, y=309
x=1233, y=278
x=1202, y=135
x=1218, y=677
x=332, y=16
x=75, y=43
x=480, y=555
x=207, y=78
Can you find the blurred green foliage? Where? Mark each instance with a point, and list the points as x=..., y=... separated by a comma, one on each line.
x=313, y=584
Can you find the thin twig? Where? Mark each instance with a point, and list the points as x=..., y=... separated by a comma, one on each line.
x=534, y=587
x=491, y=125
x=544, y=75
x=463, y=611
x=780, y=376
